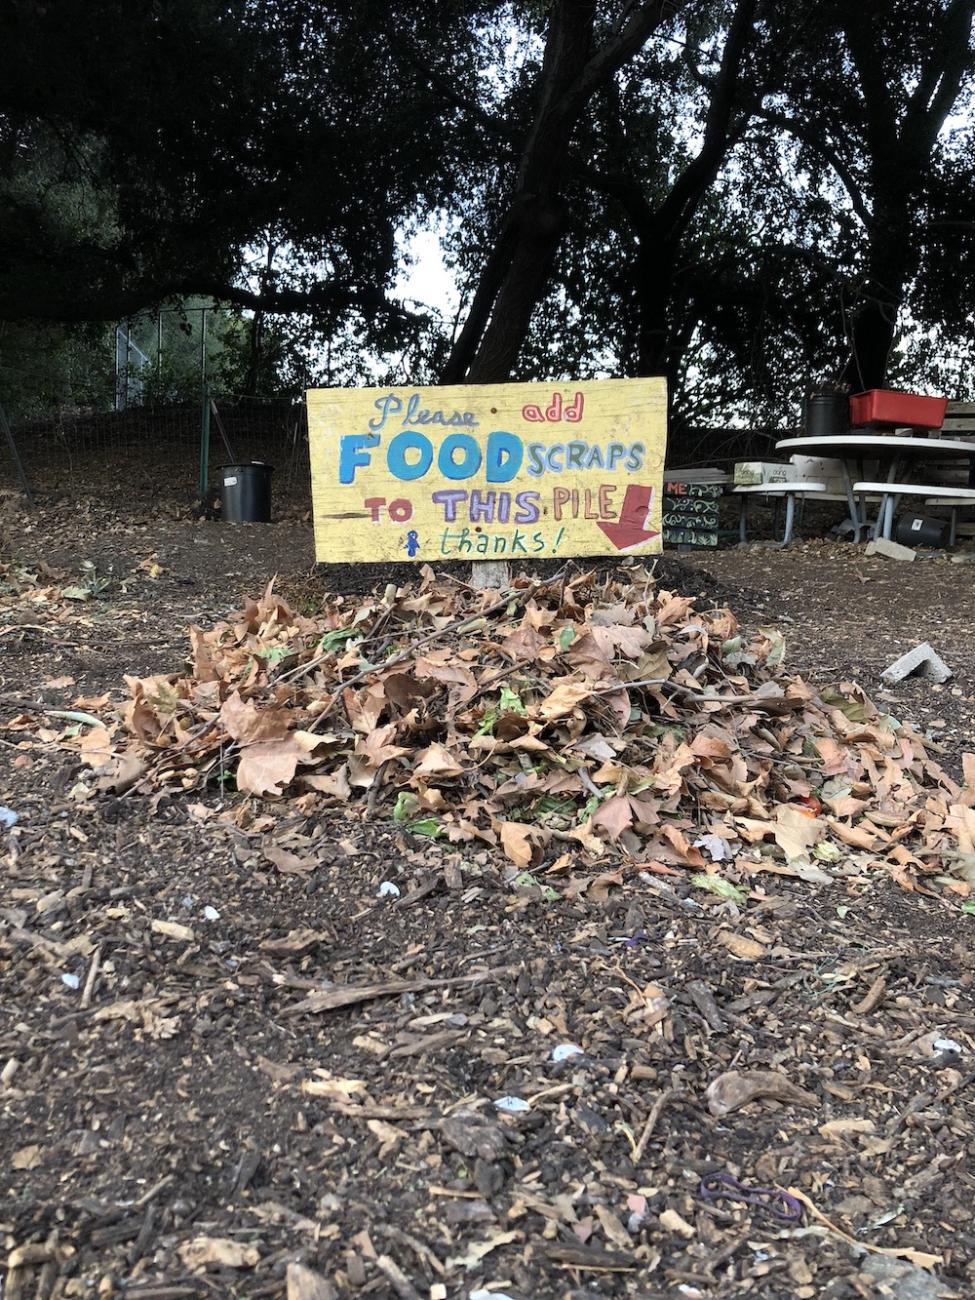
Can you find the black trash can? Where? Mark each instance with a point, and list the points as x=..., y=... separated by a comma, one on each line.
x=245, y=492
x=826, y=413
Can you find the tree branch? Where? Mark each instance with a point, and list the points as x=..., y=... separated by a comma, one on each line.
x=817, y=141
x=940, y=80
x=121, y=303
x=630, y=38
x=685, y=194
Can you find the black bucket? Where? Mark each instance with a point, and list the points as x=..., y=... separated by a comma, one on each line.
x=826, y=413
x=920, y=530
x=245, y=492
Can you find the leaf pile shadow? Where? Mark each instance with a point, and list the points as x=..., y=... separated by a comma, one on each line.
x=586, y=719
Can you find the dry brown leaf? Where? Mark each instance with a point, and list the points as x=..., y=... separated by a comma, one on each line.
x=268, y=766
x=120, y=773
x=335, y=783
x=437, y=760
x=26, y=1157
x=173, y=930
x=96, y=747
x=247, y=724
x=796, y=831
x=289, y=864
x=566, y=696
x=217, y=1252
x=598, y=891
x=741, y=946
x=516, y=842
x=614, y=816
x=735, y=1088
x=304, y=1284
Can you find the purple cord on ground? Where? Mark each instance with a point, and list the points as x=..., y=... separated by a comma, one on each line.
x=775, y=1202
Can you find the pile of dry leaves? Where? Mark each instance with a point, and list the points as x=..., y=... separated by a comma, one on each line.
x=592, y=715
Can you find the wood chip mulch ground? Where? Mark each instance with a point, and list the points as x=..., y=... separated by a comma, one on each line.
x=226, y=1075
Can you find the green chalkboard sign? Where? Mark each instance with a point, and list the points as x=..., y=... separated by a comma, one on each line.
x=690, y=513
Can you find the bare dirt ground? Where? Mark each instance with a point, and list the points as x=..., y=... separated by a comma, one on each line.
x=162, y=1089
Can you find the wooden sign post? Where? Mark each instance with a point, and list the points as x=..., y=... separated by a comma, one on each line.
x=490, y=474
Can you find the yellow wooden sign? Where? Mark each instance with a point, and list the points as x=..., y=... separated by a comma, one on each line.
x=501, y=471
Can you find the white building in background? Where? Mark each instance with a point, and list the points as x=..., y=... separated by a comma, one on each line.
x=130, y=362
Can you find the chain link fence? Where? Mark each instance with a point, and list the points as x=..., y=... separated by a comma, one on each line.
x=171, y=451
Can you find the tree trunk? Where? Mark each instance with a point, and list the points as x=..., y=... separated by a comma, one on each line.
x=660, y=231
x=892, y=262
x=540, y=231
x=517, y=271
x=900, y=170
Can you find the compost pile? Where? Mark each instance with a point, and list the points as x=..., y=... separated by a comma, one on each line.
x=580, y=719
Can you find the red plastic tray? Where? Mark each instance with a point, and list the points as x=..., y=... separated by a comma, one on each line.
x=886, y=406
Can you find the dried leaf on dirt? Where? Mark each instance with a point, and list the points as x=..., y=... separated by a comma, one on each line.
x=631, y=718
x=736, y=1088
x=217, y=1252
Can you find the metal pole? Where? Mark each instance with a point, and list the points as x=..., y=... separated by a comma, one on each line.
x=203, y=344
x=128, y=346
x=15, y=457
x=205, y=445
x=116, y=368
x=158, y=354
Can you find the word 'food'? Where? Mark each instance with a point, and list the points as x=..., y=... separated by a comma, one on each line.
x=411, y=455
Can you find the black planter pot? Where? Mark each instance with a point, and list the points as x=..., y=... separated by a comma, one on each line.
x=826, y=413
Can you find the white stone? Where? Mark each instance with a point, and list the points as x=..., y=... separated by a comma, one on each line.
x=890, y=550
x=921, y=660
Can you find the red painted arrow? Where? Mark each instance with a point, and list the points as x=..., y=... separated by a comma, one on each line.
x=631, y=527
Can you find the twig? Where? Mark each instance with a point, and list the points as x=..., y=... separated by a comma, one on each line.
x=375, y=790
x=402, y=656
x=651, y=1124
x=38, y=706
x=34, y=627
x=705, y=697
x=152, y=1193
x=919, y=1257
x=96, y=961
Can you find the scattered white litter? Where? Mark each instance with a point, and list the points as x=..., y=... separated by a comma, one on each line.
x=210, y=913
x=565, y=1050
x=8, y=817
x=387, y=890
x=512, y=1105
x=718, y=849
x=72, y=981
x=947, y=1045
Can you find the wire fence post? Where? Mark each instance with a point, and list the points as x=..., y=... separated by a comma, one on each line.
x=205, y=444
x=15, y=457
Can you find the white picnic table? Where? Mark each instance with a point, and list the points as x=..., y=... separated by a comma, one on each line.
x=893, y=454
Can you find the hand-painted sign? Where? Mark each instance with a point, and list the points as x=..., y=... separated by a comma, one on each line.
x=487, y=472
